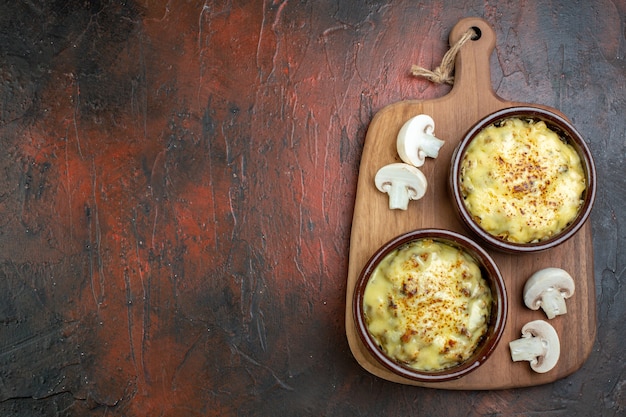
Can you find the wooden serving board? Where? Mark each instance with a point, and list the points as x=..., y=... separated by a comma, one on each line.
x=373, y=224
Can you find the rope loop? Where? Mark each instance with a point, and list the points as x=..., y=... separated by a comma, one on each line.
x=443, y=73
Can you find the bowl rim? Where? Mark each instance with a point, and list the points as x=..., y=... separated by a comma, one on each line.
x=498, y=313
x=566, y=131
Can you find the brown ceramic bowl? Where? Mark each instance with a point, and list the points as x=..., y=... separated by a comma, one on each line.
x=568, y=134
x=495, y=323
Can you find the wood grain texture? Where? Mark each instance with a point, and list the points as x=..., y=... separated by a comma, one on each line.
x=374, y=224
x=178, y=186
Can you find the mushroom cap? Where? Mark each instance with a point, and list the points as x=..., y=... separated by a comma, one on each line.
x=416, y=140
x=402, y=182
x=549, y=338
x=544, y=280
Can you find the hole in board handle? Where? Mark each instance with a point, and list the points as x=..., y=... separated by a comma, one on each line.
x=478, y=33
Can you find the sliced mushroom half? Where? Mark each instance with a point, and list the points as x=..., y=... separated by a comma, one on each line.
x=416, y=140
x=548, y=288
x=538, y=345
x=402, y=182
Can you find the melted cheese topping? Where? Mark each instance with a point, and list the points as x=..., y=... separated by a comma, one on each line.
x=521, y=182
x=427, y=305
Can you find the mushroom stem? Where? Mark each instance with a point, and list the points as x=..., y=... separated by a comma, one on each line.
x=398, y=196
x=528, y=348
x=430, y=147
x=553, y=303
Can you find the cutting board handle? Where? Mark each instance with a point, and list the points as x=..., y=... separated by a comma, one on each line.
x=472, y=73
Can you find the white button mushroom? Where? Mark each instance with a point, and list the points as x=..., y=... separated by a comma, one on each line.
x=402, y=182
x=548, y=288
x=416, y=140
x=539, y=345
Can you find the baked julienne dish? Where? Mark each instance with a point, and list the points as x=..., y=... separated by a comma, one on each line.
x=521, y=182
x=427, y=305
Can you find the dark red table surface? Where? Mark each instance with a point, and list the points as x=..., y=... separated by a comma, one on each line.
x=178, y=180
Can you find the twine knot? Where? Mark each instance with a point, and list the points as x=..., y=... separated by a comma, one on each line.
x=443, y=73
